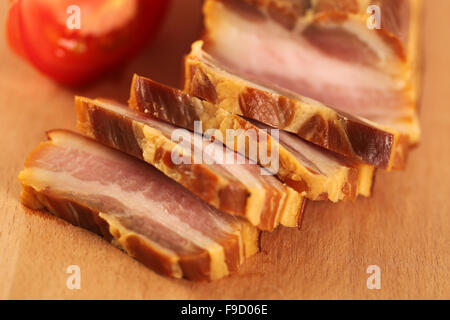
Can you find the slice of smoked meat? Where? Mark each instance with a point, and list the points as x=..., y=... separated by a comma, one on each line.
x=133, y=205
x=218, y=175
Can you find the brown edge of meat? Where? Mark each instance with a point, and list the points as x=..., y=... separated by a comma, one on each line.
x=338, y=132
x=192, y=267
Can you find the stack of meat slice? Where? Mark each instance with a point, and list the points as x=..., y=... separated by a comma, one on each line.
x=194, y=218
x=162, y=179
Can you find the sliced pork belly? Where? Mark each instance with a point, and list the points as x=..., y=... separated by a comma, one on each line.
x=134, y=206
x=317, y=173
x=351, y=136
x=239, y=188
x=324, y=50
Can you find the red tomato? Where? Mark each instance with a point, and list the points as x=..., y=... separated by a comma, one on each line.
x=48, y=34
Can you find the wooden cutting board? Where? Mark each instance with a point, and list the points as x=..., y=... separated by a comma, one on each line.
x=404, y=228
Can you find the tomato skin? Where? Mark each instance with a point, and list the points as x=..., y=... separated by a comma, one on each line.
x=75, y=57
x=13, y=35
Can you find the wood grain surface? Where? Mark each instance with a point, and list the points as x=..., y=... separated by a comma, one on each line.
x=403, y=228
